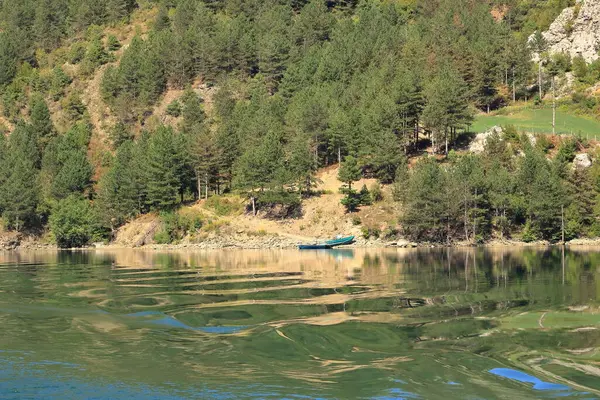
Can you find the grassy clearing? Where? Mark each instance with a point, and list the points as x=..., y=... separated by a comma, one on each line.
x=539, y=121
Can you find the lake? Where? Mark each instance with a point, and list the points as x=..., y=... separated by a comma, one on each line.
x=493, y=323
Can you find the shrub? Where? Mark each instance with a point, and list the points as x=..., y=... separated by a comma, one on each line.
x=530, y=233
x=376, y=193
x=356, y=220
x=176, y=225
x=370, y=232
x=77, y=52
x=543, y=143
x=511, y=134
x=566, y=150
x=351, y=201
x=120, y=134
x=73, y=106
x=390, y=232
x=224, y=206
x=162, y=237
x=174, y=109
x=72, y=223
x=113, y=43
x=365, y=196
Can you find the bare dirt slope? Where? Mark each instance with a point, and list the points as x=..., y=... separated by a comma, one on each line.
x=322, y=217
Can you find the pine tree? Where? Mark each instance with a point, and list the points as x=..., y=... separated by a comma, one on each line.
x=113, y=43
x=349, y=171
x=152, y=77
x=8, y=59
x=579, y=213
x=65, y=167
x=96, y=55
x=118, y=188
x=59, y=81
x=162, y=21
x=425, y=208
x=301, y=163
x=73, y=106
x=20, y=191
x=120, y=134
x=260, y=166
x=447, y=105
x=40, y=121
x=206, y=157
x=162, y=179
x=273, y=44
x=541, y=187
x=49, y=23
x=117, y=10
x=192, y=111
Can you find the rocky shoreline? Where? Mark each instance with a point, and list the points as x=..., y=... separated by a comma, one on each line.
x=15, y=241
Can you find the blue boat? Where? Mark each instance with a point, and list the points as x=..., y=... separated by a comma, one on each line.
x=328, y=244
x=340, y=241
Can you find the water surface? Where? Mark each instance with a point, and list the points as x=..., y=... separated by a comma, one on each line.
x=376, y=324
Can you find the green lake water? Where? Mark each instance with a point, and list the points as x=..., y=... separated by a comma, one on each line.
x=344, y=324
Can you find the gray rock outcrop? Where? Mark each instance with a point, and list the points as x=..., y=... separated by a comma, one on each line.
x=582, y=161
x=477, y=145
x=576, y=31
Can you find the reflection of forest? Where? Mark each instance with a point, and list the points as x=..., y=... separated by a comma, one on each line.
x=317, y=317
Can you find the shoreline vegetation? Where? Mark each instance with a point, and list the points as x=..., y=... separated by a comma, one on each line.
x=202, y=118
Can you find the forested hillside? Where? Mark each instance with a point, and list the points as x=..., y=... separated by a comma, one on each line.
x=201, y=98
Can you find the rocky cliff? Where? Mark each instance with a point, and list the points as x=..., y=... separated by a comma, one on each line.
x=576, y=31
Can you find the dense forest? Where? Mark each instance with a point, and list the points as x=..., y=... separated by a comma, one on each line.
x=297, y=85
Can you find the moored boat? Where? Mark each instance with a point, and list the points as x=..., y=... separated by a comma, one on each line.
x=340, y=241
x=328, y=244
x=318, y=246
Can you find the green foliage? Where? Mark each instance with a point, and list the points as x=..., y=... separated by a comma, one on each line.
x=447, y=104
x=352, y=200
x=60, y=80
x=41, y=123
x=174, y=109
x=567, y=150
x=301, y=85
x=559, y=63
x=365, y=196
x=167, y=169
x=176, y=225
x=19, y=190
x=121, y=191
x=162, y=237
x=224, y=206
x=376, y=192
x=113, y=43
x=349, y=171
x=120, y=134
x=544, y=143
x=73, y=107
x=72, y=222
x=65, y=167
x=370, y=232
x=192, y=111
x=77, y=52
